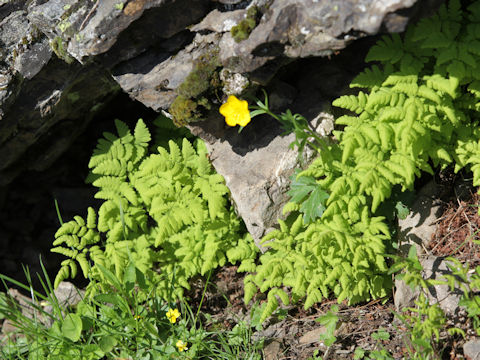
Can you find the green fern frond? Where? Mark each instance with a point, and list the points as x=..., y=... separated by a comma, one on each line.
x=388, y=49
x=370, y=78
x=352, y=102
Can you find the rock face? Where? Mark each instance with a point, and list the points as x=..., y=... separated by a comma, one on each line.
x=417, y=230
x=62, y=60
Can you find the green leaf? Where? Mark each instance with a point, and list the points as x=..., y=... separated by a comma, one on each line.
x=110, y=277
x=300, y=187
x=381, y=334
x=109, y=299
x=141, y=281
x=3, y=305
x=359, y=354
x=107, y=343
x=314, y=206
x=329, y=320
x=72, y=327
x=130, y=276
x=402, y=210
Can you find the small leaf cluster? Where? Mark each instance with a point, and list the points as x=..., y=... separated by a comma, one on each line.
x=329, y=321
x=417, y=110
x=292, y=123
x=469, y=283
x=307, y=197
x=380, y=353
x=424, y=323
x=166, y=211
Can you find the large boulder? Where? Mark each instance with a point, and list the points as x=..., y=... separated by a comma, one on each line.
x=61, y=60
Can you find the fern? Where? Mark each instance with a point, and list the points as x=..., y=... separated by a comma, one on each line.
x=167, y=212
x=420, y=111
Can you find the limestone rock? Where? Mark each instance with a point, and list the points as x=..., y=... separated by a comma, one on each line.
x=404, y=296
x=256, y=165
x=149, y=47
x=435, y=268
x=417, y=230
x=420, y=224
x=273, y=350
x=471, y=349
x=295, y=28
x=89, y=28
x=45, y=103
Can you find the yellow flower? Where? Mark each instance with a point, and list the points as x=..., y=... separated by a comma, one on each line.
x=172, y=315
x=235, y=112
x=181, y=346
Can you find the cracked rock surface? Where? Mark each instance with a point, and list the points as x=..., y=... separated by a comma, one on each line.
x=61, y=61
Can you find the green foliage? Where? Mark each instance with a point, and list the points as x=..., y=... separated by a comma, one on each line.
x=116, y=324
x=423, y=323
x=379, y=353
x=183, y=109
x=411, y=270
x=190, y=104
x=418, y=110
x=167, y=212
x=58, y=46
x=164, y=131
x=469, y=283
x=309, y=194
x=242, y=30
x=292, y=123
x=329, y=320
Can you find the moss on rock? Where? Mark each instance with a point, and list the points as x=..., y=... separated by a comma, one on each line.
x=189, y=105
x=183, y=110
x=242, y=30
x=58, y=47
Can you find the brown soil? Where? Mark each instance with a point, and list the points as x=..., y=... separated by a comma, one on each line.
x=458, y=231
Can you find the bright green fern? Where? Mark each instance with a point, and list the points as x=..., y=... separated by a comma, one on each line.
x=417, y=111
x=168, y=212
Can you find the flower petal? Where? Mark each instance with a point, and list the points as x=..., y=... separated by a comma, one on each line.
x=235, y=111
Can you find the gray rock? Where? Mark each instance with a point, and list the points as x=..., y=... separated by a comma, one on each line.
x=44, y=103
x=256, y=165
x=404, y=296
x=435, y=268
x=219, y=22
x=48, y=113
x=234, y=83
x=153, y=83
x=258, y=180
x=420, y=224
x=416, y=230
x=89, y=28
x=306, y=28
x=67, y=295
x=273, y=350
x=471, y=349
x=31, y=61
x=149, y=47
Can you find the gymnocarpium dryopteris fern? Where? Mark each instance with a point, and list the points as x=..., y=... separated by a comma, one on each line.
x=166, y=211
x=418, y=109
